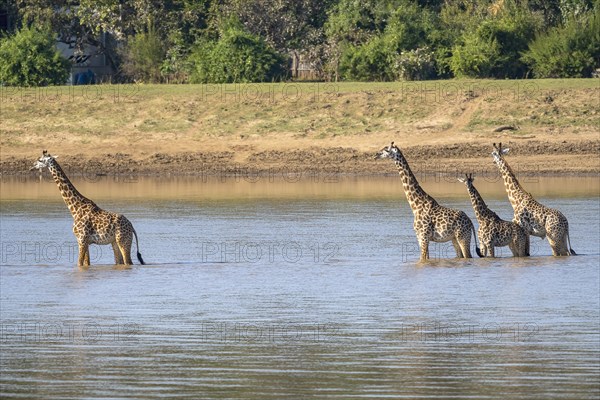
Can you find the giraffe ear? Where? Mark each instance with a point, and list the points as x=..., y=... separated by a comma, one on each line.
x=505, y=151
x=54, y=156
x=461, y=180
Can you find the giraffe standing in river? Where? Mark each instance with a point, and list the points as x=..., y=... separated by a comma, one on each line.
x=432, y=222
x=91, y=224
x=535, y=218
x=494, y=231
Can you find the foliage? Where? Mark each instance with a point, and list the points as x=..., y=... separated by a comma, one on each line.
x=30, y=58
x=400, y=26
x=570, y=50
x=341, y=39
x=494, y=47
x=415, y=65
x=237, y=56
x=143, y=56
x=475, y=57
x=175, y=66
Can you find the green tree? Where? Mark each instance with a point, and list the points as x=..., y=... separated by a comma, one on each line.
x=371, y=35
x=30, y=58
x=237, y=56
x=569, y=50
x=143, y=56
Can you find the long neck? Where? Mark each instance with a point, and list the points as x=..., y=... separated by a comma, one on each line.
x=73, y=199
x=481, y=209
x=514, y=190
x=415, y=195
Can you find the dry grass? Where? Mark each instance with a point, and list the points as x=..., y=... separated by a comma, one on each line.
x=173, y=118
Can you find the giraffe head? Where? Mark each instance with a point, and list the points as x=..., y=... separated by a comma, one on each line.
x=45, y=161
x=499, y=152
x=467, y=180
x=391, y=151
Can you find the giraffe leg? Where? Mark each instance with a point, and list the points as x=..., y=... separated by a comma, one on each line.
x=459, y=253
x=424, y=244
x=491, y=250
x=464, y=241
x=84, y=255
x=124, y=242
x=558, y=243
x=117, y=252
x=483, y=249
x=514, y=248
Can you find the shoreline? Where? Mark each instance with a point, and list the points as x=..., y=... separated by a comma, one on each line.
x=529, y=158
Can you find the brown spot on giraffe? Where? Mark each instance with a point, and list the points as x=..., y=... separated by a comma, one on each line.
x=91, y=224
x=432, y=222
x=494, y=231
x=535, y=218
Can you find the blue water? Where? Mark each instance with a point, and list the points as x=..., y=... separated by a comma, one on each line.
x=300, y=297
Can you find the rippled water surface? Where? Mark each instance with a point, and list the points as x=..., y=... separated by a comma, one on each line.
x=292, y=289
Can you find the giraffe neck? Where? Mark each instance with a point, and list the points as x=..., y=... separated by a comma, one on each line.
x=515, y=192
x=481, y=209
x=73, y=199
x=415, y=195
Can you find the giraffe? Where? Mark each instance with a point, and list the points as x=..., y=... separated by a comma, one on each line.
x=535, y=218
x=432, y=222
x=494, y=231
x=91, y=224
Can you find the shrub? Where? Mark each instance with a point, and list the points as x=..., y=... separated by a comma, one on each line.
x=568, y=51
x=499, y=39
x=372, y=61
x=30, y=58
x=415, y=65
x=237, y=56
x=143, y=56
x=475, y=57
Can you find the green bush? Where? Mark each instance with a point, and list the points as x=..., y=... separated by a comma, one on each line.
x=493, y=48
x=568, y=51
x=372, y=61
x=415, y=65
x=395, y=28
x=30, y=58
x=237, y=56
x=143, y=56
x=475, y=57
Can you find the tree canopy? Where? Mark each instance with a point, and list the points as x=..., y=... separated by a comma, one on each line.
x=151, y=40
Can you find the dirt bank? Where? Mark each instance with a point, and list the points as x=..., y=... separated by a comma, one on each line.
x=167, y=130
x=527, y=157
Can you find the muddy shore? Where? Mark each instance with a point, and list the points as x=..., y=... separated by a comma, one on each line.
x=527, y=157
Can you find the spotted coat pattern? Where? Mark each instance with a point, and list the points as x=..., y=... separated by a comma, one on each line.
x=535, y=218
x=494, y=231
x=91, y=224
x=432, y=222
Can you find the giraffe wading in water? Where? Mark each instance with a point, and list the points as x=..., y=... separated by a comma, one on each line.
x=494, y=231
x=432, y=221
x=91, y=224
x=535, y=218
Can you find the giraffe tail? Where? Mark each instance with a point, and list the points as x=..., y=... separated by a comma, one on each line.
x=477, y=250
x=137, y=243
x=572, y=252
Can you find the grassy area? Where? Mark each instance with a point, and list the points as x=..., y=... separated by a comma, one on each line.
x=175, y=117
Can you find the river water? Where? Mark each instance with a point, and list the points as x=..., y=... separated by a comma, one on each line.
x=307, y=289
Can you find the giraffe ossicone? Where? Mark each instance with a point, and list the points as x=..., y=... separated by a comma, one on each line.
x=91, y=224
x=432, y=222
